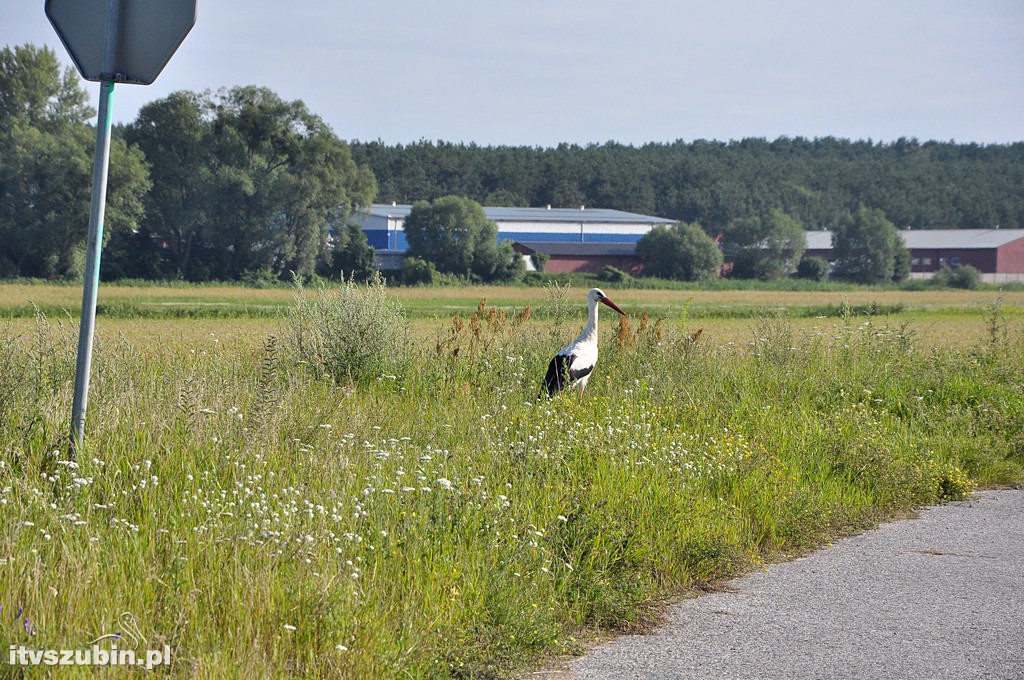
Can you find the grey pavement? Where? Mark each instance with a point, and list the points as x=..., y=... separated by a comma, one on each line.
x=938, y=596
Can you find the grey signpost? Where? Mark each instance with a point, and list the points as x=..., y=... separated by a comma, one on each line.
x=111, y=41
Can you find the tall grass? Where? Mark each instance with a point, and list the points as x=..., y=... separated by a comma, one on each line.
x=442, y=521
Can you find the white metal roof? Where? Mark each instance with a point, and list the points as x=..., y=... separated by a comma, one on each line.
x=575, y=215
x=819, y=240
x=959, y=239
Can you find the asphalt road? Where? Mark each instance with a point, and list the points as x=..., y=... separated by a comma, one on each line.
x=939, y=596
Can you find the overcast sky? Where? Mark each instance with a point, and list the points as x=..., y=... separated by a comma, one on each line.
x=541, y=72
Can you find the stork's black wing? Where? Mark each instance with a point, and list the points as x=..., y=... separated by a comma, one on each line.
x=562, y=372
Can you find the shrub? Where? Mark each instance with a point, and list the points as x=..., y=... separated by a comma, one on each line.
x=351, y=255
x=355, y=332
x=683, y=252
x=869, y=249
x=813, y=268
x=417, y=271
x=455, y=235
x=966, y=277
x=764, y=247
x=261, y=278
x=614, y=275
x=540, y=260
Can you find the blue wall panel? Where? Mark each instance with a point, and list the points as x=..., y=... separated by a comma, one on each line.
x=381, y=239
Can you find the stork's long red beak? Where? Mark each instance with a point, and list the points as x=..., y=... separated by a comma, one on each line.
x=614, y=306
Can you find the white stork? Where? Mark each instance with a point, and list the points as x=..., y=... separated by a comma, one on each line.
x=575, y=362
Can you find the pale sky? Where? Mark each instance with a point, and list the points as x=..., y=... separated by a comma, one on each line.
x=542, y=72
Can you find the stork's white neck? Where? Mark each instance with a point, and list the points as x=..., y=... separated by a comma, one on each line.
x=589, y=332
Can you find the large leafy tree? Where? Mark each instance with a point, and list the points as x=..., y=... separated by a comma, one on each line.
x=455, y=235
x=496, y=262
x=36, y=92
x=766, y=247
x=46, y=154
x=868, y=248
x=174, y=134
x=682, y=252
x=245, y=182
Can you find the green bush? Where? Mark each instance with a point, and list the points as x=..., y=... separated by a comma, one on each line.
x=813, y=268
x=540, y=260
x=261, y=278
x=355, y=332
x=682, y=252
x=966, y=277
x=614, y=275
x=417, y=272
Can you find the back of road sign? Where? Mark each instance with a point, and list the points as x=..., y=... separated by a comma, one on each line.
x=124, y=41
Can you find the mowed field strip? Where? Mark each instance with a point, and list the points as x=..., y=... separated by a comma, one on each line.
x=936, y=316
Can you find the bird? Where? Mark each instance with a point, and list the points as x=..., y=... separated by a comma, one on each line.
x=574, y=363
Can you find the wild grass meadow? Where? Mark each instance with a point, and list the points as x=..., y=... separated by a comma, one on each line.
x=347, y=487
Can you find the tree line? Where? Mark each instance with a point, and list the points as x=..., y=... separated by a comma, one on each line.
x=867, y=248
x=818, y=182
x=241, y=184
x=202, y=186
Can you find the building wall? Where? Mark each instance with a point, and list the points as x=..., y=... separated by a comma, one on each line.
x=1010, y=258
x=992, y=252
x=569, y=232
x=934, y=259
x=390, y=234
x=564, y=264
x=384, y=233
x=1002, y=278
x=384, y=225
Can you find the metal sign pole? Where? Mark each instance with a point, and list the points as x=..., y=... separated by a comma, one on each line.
x=124, y=41
x=92, y=267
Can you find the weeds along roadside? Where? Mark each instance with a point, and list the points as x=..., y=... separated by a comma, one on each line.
x=325, y=514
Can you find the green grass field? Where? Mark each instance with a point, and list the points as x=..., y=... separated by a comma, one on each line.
x=268, y=503
x=945, y=316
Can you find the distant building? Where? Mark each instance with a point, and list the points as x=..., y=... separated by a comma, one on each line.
x=589, y=239
x=997, y=253
x=591, y=258
x=575, y=239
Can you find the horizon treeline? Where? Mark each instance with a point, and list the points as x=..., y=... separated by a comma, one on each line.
x=917, y=185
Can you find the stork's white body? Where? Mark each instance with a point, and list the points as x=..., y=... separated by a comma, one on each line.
x=574, y=363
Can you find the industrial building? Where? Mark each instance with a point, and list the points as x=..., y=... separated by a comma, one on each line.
x=997, y=253
x=575, y=239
